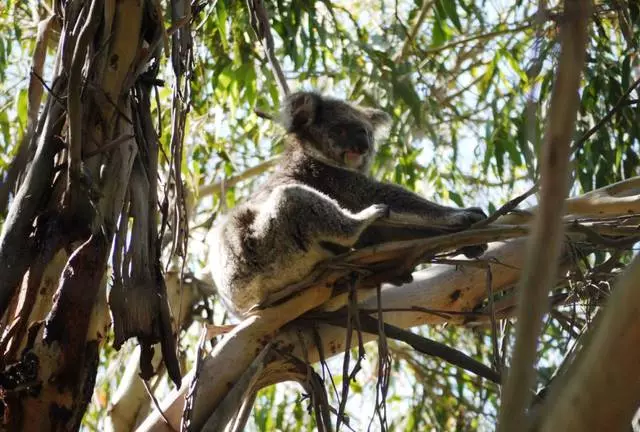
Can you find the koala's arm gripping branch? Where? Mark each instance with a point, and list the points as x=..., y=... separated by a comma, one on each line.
x=407, y=208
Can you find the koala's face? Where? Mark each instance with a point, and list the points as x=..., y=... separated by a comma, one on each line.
x=333, y=130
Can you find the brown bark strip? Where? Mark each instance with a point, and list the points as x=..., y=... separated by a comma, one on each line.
x=544, y=245
x=15, y=246
x=74, y=105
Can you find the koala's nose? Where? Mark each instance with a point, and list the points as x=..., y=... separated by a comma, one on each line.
x=362, y=145
x=361, y=140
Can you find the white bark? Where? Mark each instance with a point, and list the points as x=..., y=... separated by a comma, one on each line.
x=439, y=287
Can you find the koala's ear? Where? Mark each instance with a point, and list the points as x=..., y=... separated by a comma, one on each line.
x=299, y=110
x=378, y=118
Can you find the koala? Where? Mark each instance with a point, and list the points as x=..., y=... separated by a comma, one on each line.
x=319, y=202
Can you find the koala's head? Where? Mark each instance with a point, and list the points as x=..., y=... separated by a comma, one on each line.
x=333, y=130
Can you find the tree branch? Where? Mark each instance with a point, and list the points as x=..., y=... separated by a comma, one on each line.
x=546, y=239
x=259, y=20
x=597, y=392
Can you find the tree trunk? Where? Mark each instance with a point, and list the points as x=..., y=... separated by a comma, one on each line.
x=92, y=176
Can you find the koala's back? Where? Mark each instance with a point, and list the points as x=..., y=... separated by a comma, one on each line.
x=265, y=244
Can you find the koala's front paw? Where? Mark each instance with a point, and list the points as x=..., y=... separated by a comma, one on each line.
x=374, y=212
x=469, y=216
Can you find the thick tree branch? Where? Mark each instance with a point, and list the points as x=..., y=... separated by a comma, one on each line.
x=600, y=391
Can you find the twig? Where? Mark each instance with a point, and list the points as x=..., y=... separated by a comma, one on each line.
x=494, y=325
x=481, y=36
x=506, y=208
x=426, y=346
x=232, y=181
x=259, y=20
x=109, y=146
x=594, y=237
x=156, y=404
x=352, y=315
x=547, y=236
x=384, y=366
x=622, y=102
x=413, y=31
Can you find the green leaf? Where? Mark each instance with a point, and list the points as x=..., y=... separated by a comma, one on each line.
x=221, y=19
x=456, y=198
x=451, y=10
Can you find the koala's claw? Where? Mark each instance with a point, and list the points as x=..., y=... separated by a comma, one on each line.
x=374, y=212
x=470, y=216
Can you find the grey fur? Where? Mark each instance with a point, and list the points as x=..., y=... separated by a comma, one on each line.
x=319, y=202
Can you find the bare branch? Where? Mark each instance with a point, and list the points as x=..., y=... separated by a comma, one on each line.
x=216, y=188
x=413, y=32
x=259, y=20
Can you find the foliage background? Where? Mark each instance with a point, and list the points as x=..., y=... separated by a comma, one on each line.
x=467, y=83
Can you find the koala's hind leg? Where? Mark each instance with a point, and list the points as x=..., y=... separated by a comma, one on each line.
x=313, y=218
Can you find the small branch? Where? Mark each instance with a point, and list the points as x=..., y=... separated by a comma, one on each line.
x=259, y=20
x=506, y=208
x=482, y=36
x=494, y=324
x=156, y=404
x=622, y=102
x=475, y=181
x=109, y=146
x=413, y=32
x=216, y=188
x=424, y=345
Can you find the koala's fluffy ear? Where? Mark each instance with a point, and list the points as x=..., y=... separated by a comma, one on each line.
x=299, y=110
x=378, y=118
x=380, y=121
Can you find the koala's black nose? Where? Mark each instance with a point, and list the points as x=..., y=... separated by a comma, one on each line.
x=361, y=140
